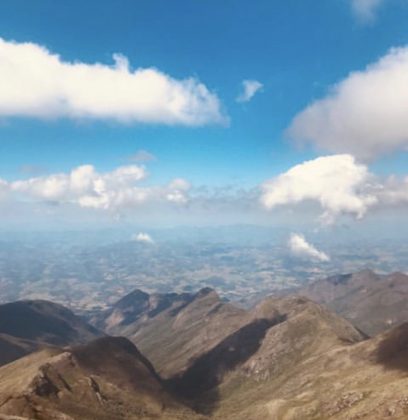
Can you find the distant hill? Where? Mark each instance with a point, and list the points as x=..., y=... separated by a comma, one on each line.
x=12, y=348
x=26, y=326
x=105, y=379
x=372, y=302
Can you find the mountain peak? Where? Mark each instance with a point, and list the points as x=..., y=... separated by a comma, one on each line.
x=137, y=296
x=206, y=291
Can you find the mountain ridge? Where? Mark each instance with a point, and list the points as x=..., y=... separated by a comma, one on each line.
x=198, y=356
x=372, y=302
x=29, y=325
x=106, y=378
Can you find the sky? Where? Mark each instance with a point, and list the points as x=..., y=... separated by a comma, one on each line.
x=203, y=112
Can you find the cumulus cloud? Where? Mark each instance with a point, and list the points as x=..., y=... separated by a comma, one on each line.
x=177, y=191
x=249, y=89
x=38, y=83
x=364, y=115
x=143, y=237
x=338, y=183
x=299, y=247
x=365, y=10
x=87, y=188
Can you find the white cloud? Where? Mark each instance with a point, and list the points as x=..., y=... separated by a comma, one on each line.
x=177, y=191
x=338, y=183
x=143, y=237
x=365, y=114
x=87, y=188
x=365, y=10
x=249, y=89
x=301, y=248
x=394, y=191
x=37, y=83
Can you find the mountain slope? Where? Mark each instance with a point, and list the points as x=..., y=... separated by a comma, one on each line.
x=297, y=360
x=105, y=379
x=12, y=348
x=366, y=380
x=26, y=326
x=370, y=301
x=287, y=358
x=138, y=306
x=171, y=329
x=277, y=335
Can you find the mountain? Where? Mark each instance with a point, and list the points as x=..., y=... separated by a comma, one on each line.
x=12, y=348
x=170, y=329
x=26, y=326
x=372, y=302
x=107, y=378
x=287, y=358
x=139, y=305
x=363, y=380
x=275, y=336
x=297, y=360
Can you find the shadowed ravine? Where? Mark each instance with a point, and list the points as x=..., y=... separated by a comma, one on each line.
x=392, y=351
x=199, y=382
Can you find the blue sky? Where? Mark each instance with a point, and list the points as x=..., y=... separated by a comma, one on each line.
x=297, y=50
